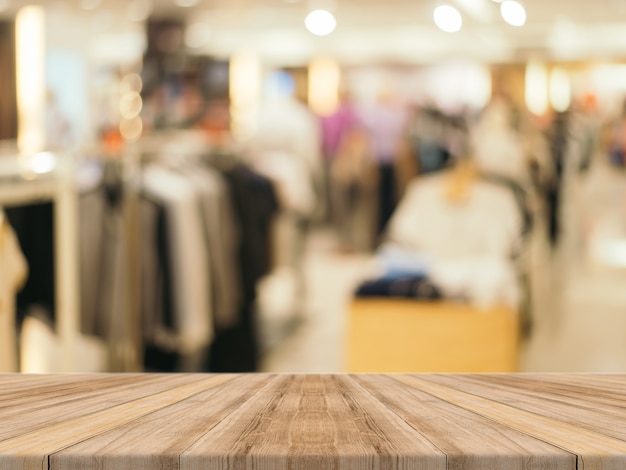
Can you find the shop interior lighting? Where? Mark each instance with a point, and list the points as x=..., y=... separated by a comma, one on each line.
x=560, y=90
x=42, y=163
x=30, y=74
x=245, y=94
x=513, y=12
x=536, y=88
x=320, y=22
x=323, y=89
x=448, y=18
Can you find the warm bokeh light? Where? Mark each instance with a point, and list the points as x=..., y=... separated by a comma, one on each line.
x=320, y=22
x=131, y=129
x=324, y=80
x=536, y=89
x=245, y=93
x=560, y=90
x=132, y=82
x=30, y=75
x=130, y=105
x=513, y=13
x=43, y=162
x=448, y=18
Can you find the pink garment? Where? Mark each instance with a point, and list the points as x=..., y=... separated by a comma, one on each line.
x=385, y=125
x=334, y=128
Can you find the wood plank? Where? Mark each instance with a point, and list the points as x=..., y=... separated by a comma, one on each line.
x=21, y=395
x=171, y=430
x=260, y=421
x=595, y=451
x=80, y=398
x=596, y=388
x=30, y=451
x=587, y=408
x=470, y=441
x=313, y=422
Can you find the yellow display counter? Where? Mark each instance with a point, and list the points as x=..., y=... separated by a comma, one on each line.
x=397, y=335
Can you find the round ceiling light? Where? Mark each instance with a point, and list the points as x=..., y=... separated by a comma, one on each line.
x=320, y=22
x=513, y=12
x=448, y=18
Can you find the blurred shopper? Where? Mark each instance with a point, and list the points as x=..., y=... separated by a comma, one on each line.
x=286, y=149
x=618, y=140
x=334, y=128
x=58, y=130
x=385, y=123
x=353, y=179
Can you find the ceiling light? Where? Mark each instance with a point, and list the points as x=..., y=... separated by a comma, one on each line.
x=186, y=3
x=513, y=13
x=320, y=22
x=448, y=18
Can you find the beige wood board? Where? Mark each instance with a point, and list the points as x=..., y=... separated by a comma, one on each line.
x=262, y=421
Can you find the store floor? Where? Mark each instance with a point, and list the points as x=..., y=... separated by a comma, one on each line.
x=579, y=318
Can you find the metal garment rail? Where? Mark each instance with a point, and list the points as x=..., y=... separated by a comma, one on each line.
x=57, y=187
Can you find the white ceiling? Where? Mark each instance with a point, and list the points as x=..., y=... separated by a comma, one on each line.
x=397, y=30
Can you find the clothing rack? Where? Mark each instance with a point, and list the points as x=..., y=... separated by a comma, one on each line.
x=19, y=188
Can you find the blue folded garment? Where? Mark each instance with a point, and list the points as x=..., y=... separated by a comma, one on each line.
x=398, y=263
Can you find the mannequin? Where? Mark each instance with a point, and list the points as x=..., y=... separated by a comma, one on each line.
x=461, y=179
x=13, y=272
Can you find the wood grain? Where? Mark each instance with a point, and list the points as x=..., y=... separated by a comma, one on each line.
x=261, y=421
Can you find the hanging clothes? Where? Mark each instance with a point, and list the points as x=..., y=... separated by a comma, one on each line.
x=222, y=236
x=286, y=127
x=385, y=123
x=255, y=203
x=190, y=262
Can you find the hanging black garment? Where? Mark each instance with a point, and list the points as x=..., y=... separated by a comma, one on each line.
x=255, y=203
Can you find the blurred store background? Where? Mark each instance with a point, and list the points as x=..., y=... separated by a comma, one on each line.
x=313, y=185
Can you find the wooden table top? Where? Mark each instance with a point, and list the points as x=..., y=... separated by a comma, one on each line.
x=264, y=421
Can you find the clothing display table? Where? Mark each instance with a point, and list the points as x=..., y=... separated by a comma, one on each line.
x=406, y=335
x=263, y=421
